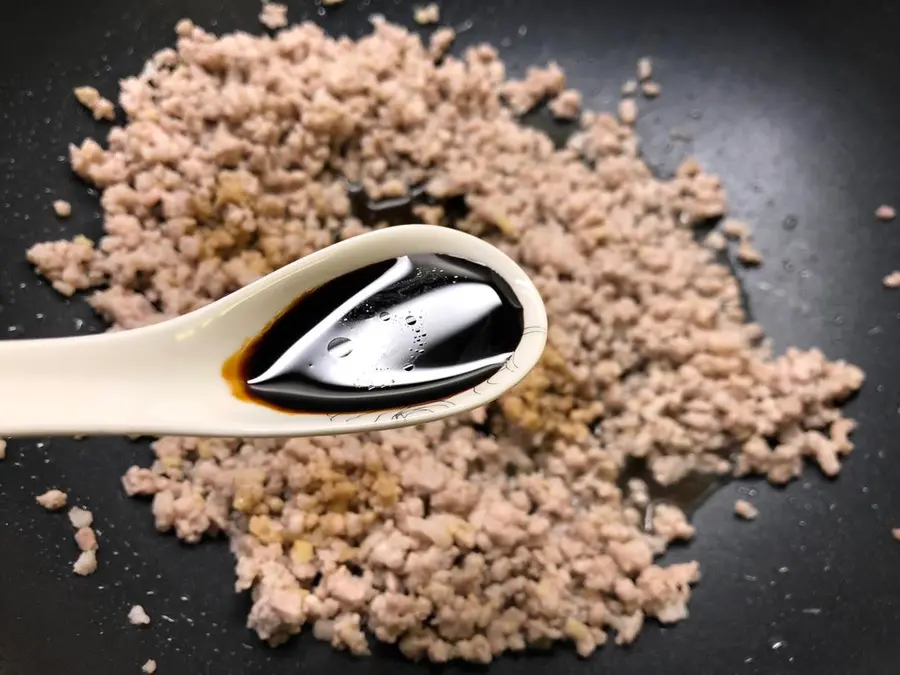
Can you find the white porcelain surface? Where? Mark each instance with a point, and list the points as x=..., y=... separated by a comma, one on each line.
x=166, y=379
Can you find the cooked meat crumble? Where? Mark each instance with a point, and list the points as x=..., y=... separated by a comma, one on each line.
x=447, y=540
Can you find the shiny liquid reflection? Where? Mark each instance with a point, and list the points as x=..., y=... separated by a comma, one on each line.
x=396, y=333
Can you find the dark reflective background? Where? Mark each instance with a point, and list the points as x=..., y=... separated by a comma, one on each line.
x=795, y=104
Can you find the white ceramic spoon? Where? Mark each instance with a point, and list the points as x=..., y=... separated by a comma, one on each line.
x=166, y=379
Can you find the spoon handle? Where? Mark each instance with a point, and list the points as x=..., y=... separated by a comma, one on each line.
x=94, y=384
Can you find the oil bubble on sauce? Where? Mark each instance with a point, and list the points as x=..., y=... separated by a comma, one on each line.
x=339, y=347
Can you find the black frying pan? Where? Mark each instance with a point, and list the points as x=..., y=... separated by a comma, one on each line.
x=795, y=104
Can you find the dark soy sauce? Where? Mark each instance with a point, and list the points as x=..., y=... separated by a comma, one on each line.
x=395, y=333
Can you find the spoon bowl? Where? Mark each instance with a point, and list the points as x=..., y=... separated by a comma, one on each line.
x=171, y=378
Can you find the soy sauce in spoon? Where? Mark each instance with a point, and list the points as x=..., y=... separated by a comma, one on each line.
x=399, y=332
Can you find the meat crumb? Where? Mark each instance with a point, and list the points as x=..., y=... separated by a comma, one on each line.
x=138, y=617
x=896, y=533
x=52, y=500
x=273, y=15
x=892, y=280
x=149, y=667
x=80, y=518
x=651, y=89
x=644, y=68
x=440, y=42
x=86, y=563
x=430, y=13
x=90, y=98
x=748, y=254
x=716, y=241
x=885, y=212
x=62, y=208
x=86, y=539
x=539, y=83
x=566, y=105
x=735, y=229
x=745, y=509
x=628, y=111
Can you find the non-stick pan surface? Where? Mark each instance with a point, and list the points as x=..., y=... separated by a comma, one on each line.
x=794, y=104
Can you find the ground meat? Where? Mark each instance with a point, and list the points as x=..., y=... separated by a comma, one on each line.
x=80, y=518
x=91, y=99
x=628, y=111
x=62, y=208
x=138, y=617
x=746, y=510
x=735, y=229
x=149, y=667
x=523, y=95
x=566, y=105
x=892, y=280
x=885, y=212
x=273, y=15
x=716, y=241
x=66, y=262
x=670, y=523
x=748, y=255
x=644, y=68
x=440, y=42
x=86, y=563
x=480, y=534
x=430, y=13
x=651, y=89
x=664, y=592
x=52, y=500
x=86, y=539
